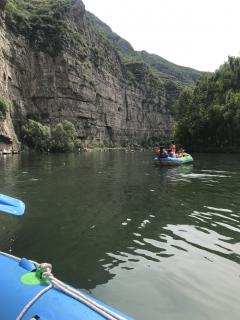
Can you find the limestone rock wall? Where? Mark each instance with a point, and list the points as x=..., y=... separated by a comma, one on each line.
x=8, y=139
x=89, y=87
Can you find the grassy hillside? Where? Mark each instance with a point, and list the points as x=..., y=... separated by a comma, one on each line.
x=160, y=67
x=42, y=22
x=47, y=25
x=169, y=69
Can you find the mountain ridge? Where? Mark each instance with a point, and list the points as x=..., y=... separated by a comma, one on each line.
x=162, y=65
x=57, y=65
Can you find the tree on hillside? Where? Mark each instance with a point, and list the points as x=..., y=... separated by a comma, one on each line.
x=210, y=114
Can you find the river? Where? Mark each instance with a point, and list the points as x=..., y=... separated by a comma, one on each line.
x=156, y=243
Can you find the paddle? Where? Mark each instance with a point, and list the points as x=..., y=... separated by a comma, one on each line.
x=11, y=205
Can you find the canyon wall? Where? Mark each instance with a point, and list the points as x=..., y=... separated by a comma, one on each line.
x=108, y=101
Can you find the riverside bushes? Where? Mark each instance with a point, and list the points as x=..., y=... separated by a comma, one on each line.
x=61, y=138
x=64, y=136
x=36, y=136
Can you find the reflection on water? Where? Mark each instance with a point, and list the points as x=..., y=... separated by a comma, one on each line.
x=158, y=243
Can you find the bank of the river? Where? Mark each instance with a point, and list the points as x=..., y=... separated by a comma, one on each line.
x=83, y=149
x=157, y=243
x=217, y=150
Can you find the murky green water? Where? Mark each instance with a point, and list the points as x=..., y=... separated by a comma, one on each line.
x=156, y=243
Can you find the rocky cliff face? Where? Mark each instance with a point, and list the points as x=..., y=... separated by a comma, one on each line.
x=8, y=139
x=86, y=83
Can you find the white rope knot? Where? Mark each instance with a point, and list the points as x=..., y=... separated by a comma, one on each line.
x=46, y=269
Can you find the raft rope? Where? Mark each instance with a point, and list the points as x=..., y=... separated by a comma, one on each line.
x=54, y=282
x=31, y=302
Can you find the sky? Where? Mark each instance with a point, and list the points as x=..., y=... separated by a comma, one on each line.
x=200, y=34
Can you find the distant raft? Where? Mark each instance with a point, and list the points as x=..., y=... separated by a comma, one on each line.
x=26, y=294
x=169, y=161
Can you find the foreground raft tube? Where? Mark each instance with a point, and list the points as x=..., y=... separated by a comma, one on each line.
x=169, y=161
x=54, y=304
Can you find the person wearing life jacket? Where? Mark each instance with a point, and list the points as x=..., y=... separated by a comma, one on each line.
x=181, y=153
x=172, y=147
x=172, y=150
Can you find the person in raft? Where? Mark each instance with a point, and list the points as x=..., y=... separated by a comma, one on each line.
x=181, y=153
x=163, y=152
x=171, y=154
x=172, y=147
x=172, y=150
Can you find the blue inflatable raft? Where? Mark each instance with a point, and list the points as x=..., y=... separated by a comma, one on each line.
x=169, y=161
x=29, y=291
x=25, y=294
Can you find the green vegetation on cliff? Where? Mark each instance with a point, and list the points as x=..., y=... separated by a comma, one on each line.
x=169, y=70
x=209, y=116
x=47, y=25
x=89, y=51
x=5, y=106
x=42, y=22
x=159, y=67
